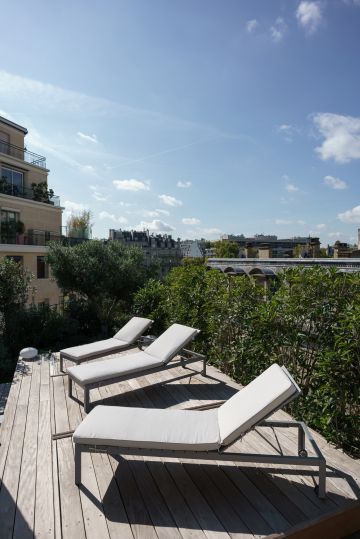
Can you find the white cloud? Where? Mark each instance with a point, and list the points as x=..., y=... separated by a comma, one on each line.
x=74, y=206
x=278, y=30
x=289, y=222
x=131, y=185
x=96, y=194
x=88, y=138
x=320, y=226
x=184, y=185
x=251, y=25
x=350, y=216
x=155, y=226
x=190, y=221
x=309, y=16
x=291, y=188
x=288, y=131
x=335, y=234
x=154, y=213
x=341, y=134
x=170, y=201
x=111, y=217
x=334, y=183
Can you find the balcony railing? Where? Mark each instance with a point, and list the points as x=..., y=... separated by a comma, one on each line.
x=37, y=237
x=23, y=154
x=28, y=193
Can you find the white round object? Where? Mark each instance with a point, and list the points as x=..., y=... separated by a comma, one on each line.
x=28, y=353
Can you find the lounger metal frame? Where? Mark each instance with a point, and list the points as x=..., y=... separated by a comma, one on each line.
x=94, y=356
x=301, y=458
x=186, y=357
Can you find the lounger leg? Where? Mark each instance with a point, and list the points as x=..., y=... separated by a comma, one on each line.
x=61, y=363
x=77, y=465
x=321, y=490
x=86, y=399
x=301, y=440
x=204, y=366
x=69, y=386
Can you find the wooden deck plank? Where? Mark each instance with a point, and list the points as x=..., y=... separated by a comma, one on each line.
x=149, y=497
x=45, y=488
x=24, y=520
x=104, y=490
x=11, y=477
x=9, y=417
x=71, y=510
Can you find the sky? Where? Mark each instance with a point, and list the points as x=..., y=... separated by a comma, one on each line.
x=192, y=118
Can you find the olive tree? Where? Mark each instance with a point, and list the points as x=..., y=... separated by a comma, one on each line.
x=105, y=275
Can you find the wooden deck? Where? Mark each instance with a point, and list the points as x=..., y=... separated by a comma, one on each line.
x=131, y=497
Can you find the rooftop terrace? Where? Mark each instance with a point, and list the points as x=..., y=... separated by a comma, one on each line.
x=133, y=497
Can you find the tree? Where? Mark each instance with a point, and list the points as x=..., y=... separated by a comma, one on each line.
x=226, y=249
x=14, y=289
x=79, y=225
x=105, y=275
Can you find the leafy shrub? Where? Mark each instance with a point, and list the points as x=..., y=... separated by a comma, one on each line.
x=309, y=321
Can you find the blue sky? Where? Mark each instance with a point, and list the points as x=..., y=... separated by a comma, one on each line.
x=194, y=118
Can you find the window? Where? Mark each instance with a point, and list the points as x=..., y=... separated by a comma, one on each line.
x=9, y=221
x=42, y=268
x=18, y=259
x=4, y=142
x=12, y=181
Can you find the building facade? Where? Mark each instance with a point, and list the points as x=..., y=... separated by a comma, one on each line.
x=261, y=246
x=157, y=248
x=192, y=248
x=30, y=212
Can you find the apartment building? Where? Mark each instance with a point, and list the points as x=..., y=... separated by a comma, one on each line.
x=30, y=212
x=263, y=246
x=157, y=248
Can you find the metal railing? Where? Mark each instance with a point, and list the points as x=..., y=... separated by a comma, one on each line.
x=28, y=193
x=38, y=237
x=23, y=154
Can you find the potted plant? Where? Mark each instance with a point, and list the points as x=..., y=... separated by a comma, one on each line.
x=41, y=193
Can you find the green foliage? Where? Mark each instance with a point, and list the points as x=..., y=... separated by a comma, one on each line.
x=226, y=249
x=309, y=321
x=14, y=288
x=150, y=301
x=41, y=193
x=105, y=275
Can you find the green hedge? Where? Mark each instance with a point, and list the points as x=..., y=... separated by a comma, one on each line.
x=309, y=320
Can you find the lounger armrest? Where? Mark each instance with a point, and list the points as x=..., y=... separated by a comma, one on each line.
x=208, y=406
x=191, y=354
x=145, y=340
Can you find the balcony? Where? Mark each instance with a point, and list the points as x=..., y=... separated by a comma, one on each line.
x=47, y=197
x=23, y=154
x=37, y=237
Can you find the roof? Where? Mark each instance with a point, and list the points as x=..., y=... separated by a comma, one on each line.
x=13, y=125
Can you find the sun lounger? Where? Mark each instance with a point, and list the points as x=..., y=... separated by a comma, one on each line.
x=125, y=338
x=155, y=358
x=192, y=434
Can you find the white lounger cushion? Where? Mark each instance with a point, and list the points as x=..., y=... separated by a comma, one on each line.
x=111, y=368
x=150, y=428
x=133, y=329
x=94, y=348
x=254, y=402
x=171, y=341
x=122, y=339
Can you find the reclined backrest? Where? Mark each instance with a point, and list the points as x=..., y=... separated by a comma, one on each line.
x=171, y=342
x=256, y=401
x=133, y=329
